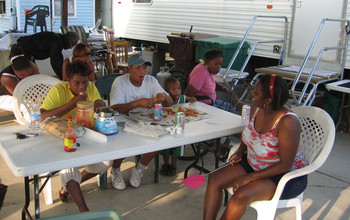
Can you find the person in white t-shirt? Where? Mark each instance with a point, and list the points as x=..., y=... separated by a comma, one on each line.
x=133, y=90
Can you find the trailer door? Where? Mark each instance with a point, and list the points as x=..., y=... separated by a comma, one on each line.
x=307, y=16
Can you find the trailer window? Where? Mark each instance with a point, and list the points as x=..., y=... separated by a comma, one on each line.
x=71, y=8
x=142, y=1
x=2, y=7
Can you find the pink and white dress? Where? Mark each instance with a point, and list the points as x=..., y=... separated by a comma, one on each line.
x=262, y=149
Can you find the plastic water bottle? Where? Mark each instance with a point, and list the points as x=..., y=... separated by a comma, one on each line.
x=35, y=119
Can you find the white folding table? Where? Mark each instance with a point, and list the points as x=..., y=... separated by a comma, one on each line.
x=44, y=153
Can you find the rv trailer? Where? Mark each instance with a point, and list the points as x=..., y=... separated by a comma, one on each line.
x=153, y=20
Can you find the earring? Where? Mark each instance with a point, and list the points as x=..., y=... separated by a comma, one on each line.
x=266, y=105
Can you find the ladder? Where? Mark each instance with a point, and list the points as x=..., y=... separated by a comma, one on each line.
x=235, y=81
x=303, y=98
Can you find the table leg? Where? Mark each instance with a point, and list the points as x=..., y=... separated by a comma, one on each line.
x=156, y=168
x=340, y=110
x=217, y=150
x=25, y=211
x=36, y=197
x=198, y=156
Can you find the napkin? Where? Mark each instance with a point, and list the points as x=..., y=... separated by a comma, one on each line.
x=145, y=129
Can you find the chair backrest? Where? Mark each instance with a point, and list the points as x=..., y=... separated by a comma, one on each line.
x=40, y=11
x=41, y=7
x=121, y=51
x=317, y=136
x=80, y=30
x=31, y=89
x=104, y=85
x=109, y=39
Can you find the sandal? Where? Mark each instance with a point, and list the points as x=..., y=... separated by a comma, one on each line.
x=171, y=171
x=164, y=170
x=3, y=190
x=63, y=196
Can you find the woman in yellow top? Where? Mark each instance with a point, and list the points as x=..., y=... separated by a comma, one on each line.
x=61, y=101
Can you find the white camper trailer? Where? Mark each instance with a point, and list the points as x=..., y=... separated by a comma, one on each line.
x=153, y=20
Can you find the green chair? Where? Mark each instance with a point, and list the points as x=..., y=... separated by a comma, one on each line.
x=104, y=85
x=37, y=17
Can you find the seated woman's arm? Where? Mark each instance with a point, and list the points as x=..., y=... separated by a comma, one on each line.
x=33, y=68
x=64, y=69
x=98, y=104
x=190, y=90
x=288, y=133
x=9, y=83
x=91, y=71
x=237, y=156
x=222, y=88
x=61, y=110
x=226, y=90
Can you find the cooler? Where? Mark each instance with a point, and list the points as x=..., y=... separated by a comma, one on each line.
x=227, y=45
x=182, y=49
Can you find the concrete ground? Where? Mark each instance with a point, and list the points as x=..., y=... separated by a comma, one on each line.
x=326, y=197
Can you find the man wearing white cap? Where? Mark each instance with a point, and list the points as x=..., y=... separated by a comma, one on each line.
x=129, y=91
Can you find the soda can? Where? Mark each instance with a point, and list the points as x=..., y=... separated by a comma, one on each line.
x=158, y=112
x=180, y=120
x=245, y=113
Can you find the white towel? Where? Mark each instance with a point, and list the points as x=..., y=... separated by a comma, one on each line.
x=145, y=129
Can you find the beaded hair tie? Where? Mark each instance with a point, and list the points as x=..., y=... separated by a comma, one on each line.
x=272, y=85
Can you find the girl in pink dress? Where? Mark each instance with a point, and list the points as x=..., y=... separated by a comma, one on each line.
x=268, y=150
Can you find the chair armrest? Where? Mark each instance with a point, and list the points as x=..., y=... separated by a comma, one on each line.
x=233, y=150
x=291, y=175
x=28, y=11
x=204, y=97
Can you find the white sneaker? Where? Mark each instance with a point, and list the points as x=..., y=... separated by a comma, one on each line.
x=135, y=178
x=117, y=180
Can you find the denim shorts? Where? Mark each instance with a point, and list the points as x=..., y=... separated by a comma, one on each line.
x=292, y=189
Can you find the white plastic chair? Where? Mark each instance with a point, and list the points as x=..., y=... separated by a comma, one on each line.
x=27, y=91
x=316, y=142
x=30, y=90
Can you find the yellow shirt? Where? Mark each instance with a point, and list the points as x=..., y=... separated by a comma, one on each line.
x=60, y=94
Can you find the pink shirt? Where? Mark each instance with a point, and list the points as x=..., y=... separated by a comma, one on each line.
x=204, y=82
x=262, y=149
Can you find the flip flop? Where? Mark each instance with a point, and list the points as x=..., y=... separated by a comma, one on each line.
x=63, y=196
x=171, y=171
x=164, y=170
x=3, y=190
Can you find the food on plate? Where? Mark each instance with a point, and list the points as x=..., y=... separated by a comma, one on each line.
x=188, y=111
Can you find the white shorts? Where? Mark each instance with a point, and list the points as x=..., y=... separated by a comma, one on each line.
x=74, y=173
